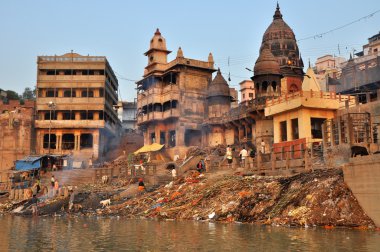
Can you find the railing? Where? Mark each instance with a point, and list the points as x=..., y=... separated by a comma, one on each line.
x=309, y=94
x=70, y=124
x=157, y=115
x=305, y=156
x=71, y=59
x=133, y=171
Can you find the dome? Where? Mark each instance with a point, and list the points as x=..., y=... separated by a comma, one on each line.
x=282, y=42
x=266, y=63
x=218, y=86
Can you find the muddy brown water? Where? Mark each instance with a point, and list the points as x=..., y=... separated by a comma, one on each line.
x=119, y=234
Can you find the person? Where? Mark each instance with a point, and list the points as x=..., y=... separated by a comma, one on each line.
x=203, y=164
x=174, y=174
x=141, y=186
x=34, y=202
x=229, y=156
x=38, y=184
x=90, y=163
x=262, y=146
x=252, y=153
x=56, y=187
x=243, y=156
x=52, y=180
x=71, y=201
x=199, y=166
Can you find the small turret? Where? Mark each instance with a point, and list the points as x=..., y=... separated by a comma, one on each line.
x=179, y=53
x=157, y=52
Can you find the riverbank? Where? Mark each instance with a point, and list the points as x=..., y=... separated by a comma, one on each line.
x=316, y=198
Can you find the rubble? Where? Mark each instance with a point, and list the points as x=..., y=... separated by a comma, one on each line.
x=315, y=198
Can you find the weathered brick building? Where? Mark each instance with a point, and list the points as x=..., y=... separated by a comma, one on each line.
x=172, y=97
x=76, y=96
x=16, y=132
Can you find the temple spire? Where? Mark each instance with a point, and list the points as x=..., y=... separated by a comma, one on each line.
x=277, y=13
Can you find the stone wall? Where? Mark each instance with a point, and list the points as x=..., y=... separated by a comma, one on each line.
x=362, y=175
x=16, y=136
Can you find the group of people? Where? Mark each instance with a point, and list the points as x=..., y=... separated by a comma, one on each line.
x=244, y=154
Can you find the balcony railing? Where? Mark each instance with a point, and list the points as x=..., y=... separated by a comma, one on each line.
x=60, y=124
x=157, y=115
x=71, y=78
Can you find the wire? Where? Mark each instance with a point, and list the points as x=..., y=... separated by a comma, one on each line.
x=320, y=35
x=123, y=78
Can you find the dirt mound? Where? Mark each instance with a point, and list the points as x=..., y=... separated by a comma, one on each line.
x=315, y=198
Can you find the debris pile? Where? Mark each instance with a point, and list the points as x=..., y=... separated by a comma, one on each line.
x=314, y=198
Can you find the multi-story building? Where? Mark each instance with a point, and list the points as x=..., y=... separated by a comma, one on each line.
x=127, y=115
x=247, y=90
x=75, y=103
x=360, y=76
x=171, y=99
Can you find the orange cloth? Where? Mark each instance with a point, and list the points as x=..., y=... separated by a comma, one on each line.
x=141, y=188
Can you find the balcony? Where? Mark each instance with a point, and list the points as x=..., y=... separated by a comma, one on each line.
x=156, y=115
x=72, y=103
x=72, y=124
x=71, y=78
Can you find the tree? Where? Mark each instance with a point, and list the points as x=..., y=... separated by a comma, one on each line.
x=12, y=95
x=28, y=94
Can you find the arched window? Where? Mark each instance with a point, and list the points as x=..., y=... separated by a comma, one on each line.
x=274, y=86
x=265, y=86
x=293, y=88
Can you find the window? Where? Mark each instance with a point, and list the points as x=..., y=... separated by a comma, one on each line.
x=295, y=131
x=84, y=93
x=86, y=141
x=68, y=141
x=67, y=93
x=90, y=115
x=53, y=141
x=162, y=137
x=250, y=95
x=172, y=138
x=243, y=96
x=316, y=127
x=68, y=115
x=152, y=137
x=50, y=93
x=90, y=93
x=83, y=115
x=293, y=88
x=283, y=131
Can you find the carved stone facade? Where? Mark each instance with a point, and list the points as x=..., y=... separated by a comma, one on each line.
x=172, y=97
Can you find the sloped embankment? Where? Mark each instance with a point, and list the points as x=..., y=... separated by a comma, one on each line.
x=314, y=198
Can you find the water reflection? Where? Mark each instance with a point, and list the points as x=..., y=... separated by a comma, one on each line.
x=118, y=234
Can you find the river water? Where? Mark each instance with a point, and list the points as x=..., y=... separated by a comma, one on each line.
x=118, y=234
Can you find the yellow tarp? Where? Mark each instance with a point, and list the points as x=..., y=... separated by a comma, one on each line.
x=149, y=148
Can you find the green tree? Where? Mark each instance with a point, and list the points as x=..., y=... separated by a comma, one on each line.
x=28, y=94
x=12, y=95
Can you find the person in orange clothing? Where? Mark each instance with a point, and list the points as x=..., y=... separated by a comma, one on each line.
x=141, y=185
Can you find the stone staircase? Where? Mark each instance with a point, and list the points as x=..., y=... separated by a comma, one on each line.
x=71, y=177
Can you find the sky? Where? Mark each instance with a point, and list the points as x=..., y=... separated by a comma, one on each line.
x=121, y=31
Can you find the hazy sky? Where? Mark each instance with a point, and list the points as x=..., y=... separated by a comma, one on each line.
x=121, y=31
